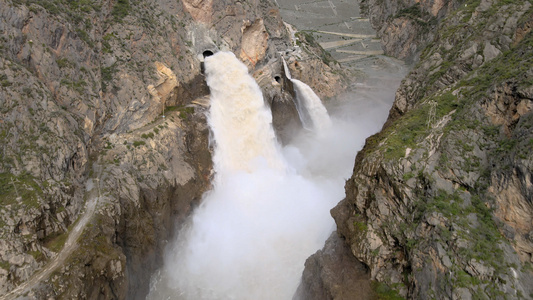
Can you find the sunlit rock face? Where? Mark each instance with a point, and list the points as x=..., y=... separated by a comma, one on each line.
x=254, y=42
x=200, y=10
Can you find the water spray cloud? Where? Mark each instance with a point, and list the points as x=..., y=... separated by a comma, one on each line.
x=269, y=206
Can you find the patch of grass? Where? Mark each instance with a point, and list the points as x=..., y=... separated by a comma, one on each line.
x=406, y=132
x=360, y=226
x=107, y=74
x=4, y=81
x=78, y=86
x=468, y=9
x=56, y=242
x=185, y=111
x=121, y=10
x=462, y=279
x=411, y=128
x=527, y=267
x=411, y=11
x=84, y=6
x=84, y=36
x=506, y=145
x=147, y=135
x=510, y=65
x=48, y=5
x=38, y=255
x=442, y=69
x=5, y=265
x=106, y=47
x=23, y=185
x=491, y=130
x=448, y=205
x=408, y=175
x=487, y=236
x=63, y=63
x=385, y=292
x=484, y=238
x=138, y=143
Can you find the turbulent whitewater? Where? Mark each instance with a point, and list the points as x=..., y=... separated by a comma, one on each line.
x=269, y=207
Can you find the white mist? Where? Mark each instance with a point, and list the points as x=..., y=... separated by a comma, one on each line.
x=269, y=207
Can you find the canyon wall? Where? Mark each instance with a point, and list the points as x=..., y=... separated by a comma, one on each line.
x=440, y=202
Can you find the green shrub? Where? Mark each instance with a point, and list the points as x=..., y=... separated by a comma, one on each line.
x=138, y=143
x=121, y=10
x=385, y=292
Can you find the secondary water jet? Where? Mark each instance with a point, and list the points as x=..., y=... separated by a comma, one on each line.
x=312, y=112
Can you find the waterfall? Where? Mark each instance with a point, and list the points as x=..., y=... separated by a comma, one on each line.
x=253, y=231
x=269, y=206
x=238, y=117
x=313, y=114
x=286, y=69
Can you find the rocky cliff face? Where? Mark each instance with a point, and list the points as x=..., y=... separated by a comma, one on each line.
x=440, y=202
x=102, y=131
x=406, y=27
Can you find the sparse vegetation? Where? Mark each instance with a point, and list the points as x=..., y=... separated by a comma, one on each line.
x=78, y=86
x=121, y=10
x=63, y=63
x=385, y=292
x=55, y=242
x=138, y=143
x=23, y=186
x=4, y=81
x=38, y=255
x=107, y=74
x=185, y=111
x=106, y=47
x=147, y=135
x=5, y=265
x=84, y=36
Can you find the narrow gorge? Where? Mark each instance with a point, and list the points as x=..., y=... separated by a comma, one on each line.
x=180, y=149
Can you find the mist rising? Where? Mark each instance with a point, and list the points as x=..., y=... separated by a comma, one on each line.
x=269, y=206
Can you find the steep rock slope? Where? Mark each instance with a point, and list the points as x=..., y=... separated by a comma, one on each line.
x=406, y=26
x=440, y=202
x=102, y=102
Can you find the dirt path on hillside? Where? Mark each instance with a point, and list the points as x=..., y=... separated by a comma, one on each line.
x=70, y=244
